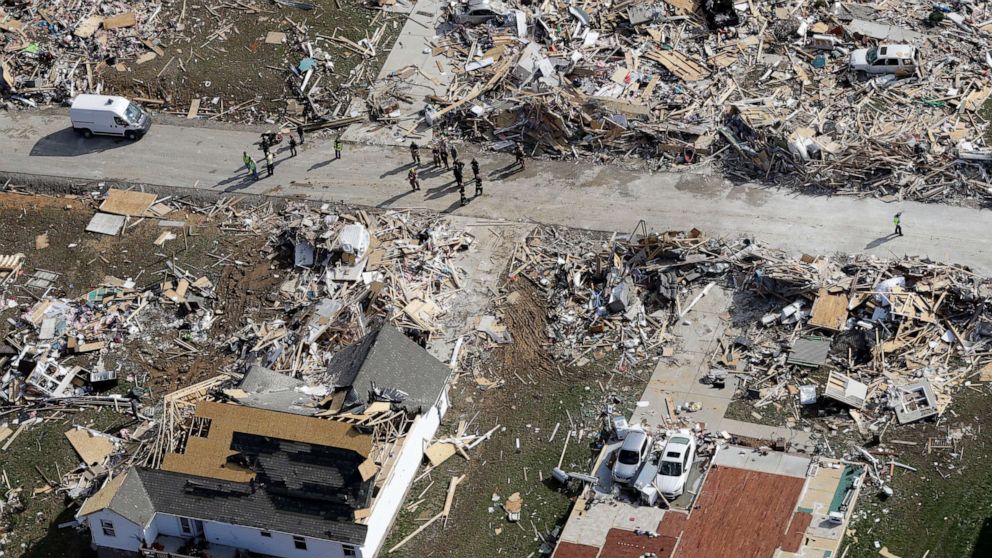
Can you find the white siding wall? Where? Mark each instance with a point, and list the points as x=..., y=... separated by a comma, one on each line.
x=249, y=538
x=394, y=491
x=127, y=535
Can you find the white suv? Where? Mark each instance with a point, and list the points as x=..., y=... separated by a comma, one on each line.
x=900, y=60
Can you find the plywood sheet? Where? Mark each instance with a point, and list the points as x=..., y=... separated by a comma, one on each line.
x=679, y=64
x=132, y=204
x=93, y=449
x=127, y=19
x=440, y=452
x=829, y=311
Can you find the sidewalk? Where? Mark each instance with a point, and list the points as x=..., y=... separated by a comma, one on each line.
x=430, y=78
x=553, y=192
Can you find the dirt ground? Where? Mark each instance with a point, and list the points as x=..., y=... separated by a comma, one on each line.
x=148, y=360
x=527, y=411
x=237, y=65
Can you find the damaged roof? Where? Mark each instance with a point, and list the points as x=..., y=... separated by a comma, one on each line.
x=209, y=453
x=388, y=359
x=124, y=495
x=266, y=389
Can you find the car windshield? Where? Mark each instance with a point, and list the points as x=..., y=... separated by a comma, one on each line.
x=670, y=469
x=628, y=457
x=872, y=55
x=133, y=113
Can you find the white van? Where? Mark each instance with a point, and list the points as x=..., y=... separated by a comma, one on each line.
x=112, y=116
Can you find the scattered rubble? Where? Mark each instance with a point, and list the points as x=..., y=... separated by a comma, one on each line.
x=768, y=87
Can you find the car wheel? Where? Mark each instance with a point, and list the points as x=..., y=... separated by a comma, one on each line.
x=86, y=132
x=862, y=75
x=131, y=136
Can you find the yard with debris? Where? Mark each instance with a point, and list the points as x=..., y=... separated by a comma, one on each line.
x=944, y=507
x=550, y=337
x=50, y=232
x=243, y=63
x=251, y=62
x=547, y=416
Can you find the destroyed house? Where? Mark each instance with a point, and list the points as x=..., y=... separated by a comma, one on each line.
x=281, y=474
x=386, y=365
x=264, y=482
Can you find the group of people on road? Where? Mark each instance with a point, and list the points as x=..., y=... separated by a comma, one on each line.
x=440, y=151
x=266, y=143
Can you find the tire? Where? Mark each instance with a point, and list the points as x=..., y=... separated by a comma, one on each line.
x=862, y=75
x=85, y=132
x=131, y=136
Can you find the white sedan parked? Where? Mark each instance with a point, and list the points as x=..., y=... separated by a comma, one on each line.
x=675, y=464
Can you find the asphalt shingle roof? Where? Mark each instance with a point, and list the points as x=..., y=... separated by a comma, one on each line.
x=237, y=503
x=388, y=359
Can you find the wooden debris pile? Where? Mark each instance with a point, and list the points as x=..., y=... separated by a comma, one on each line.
x=350, y=269
x=56, y=49
x=620, y=293
x=767, y=85
x=878, y=342
x=93, y=327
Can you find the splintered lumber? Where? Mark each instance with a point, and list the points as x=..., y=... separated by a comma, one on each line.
x=448, y=500
x=501, y=70
x=679, y=64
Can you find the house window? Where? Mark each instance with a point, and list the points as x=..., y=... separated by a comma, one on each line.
x=200, y=427
x=186, y=525
x=348, y=550
x=108, y=528
x=300, y=543
x=266, y=534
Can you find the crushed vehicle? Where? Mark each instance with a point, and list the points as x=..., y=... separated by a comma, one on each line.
x=481, y=11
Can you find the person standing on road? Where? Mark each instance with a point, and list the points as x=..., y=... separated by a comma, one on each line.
x=519, y=152
x=454, y=154
x=444, y=155
x=292, y=146
x=415, y=153
x=265, y=145
x=337, y=148
x=897, y=221
x=435, y=155
x=412, y=177
x=270, y=163
x=253, y=168
x=475, y=168
x=245, y=158
x=459, y=176
x=299, y=131
x=478, y=185
x=461, y=193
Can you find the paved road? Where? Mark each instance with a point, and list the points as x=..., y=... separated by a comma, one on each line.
x=575, y=194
